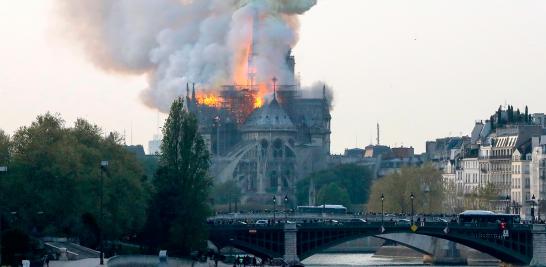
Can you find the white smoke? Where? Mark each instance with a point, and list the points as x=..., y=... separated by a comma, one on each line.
x=179, y=41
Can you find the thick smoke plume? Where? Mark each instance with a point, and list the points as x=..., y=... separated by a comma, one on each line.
x=179, y=41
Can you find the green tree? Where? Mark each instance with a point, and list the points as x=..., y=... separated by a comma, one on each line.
x=226, y=192
x=54, y=180
x=351, y=177
x=333, y=194
x=424, y=182
x=4, y=148
x=180, y=207
x=485, y=194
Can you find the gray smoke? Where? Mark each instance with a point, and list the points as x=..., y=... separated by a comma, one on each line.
x=179, y=41
x=318, y=90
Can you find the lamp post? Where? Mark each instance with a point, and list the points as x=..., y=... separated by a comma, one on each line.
x=286, y=208
x=274, y=207
x=538, y=210
x=533, y=209
x=382, y=213
x=229, y=205
x=217, y=122
x=412, y=197
x=103, y=166
x=3, y=169
x=427, y=198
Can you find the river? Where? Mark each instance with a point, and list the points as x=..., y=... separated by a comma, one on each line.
x=356, y=260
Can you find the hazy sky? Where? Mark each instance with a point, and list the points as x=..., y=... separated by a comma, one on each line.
x=422, y=69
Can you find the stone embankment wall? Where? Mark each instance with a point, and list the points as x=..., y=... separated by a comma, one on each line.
x=148, y=261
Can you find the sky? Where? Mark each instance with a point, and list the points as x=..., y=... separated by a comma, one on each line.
x=422, y=69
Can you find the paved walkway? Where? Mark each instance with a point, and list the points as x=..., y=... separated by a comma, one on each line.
x=95, y=263
x=81, y=263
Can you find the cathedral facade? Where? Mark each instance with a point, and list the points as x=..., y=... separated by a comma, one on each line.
x=267, y=152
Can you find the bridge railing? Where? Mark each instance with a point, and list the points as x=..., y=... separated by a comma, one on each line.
x=310, y=216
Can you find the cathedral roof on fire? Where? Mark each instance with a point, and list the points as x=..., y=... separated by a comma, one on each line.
x=269, y=117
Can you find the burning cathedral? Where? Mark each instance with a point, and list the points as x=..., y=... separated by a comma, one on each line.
x=264, y=143
x=265, y=133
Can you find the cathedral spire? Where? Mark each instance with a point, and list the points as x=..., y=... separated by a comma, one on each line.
x=324, y=92
x=275, y=88
x=193, y=93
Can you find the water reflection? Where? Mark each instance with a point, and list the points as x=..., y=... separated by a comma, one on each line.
x=355, y=260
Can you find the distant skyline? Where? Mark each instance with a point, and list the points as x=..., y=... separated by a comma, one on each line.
x=422, y=69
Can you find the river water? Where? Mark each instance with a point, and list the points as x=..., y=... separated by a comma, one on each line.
x=344, y=260
x=356, y=260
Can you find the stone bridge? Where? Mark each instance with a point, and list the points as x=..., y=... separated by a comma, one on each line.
x=524, y=245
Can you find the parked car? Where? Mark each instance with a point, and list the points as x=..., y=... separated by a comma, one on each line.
x=358, y=220
x=262, y=222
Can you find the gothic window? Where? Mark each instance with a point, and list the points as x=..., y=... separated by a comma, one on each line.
x=277, y=148
x=264, y=146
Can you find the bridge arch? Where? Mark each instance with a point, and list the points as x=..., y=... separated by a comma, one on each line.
x=426, y=249
x=268, y=241
x=517, y=249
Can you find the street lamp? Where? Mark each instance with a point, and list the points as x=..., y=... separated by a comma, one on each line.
x=382, y=213
x=217, y=122
x=533, y=209
x=538, y=210
x=412, y=197
x=3, y=169
x=274, y=207
x=229, y=205
x=103, y=168
x=286, y=208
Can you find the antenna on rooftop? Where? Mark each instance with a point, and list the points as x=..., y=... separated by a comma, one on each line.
x=378, y=137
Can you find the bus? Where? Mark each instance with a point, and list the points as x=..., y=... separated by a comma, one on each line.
x=327, y=209
x=485, y=217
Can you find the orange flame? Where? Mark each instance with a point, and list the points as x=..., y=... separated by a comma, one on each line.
x=243, y=75
x=209, y=100
x=259, y=102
